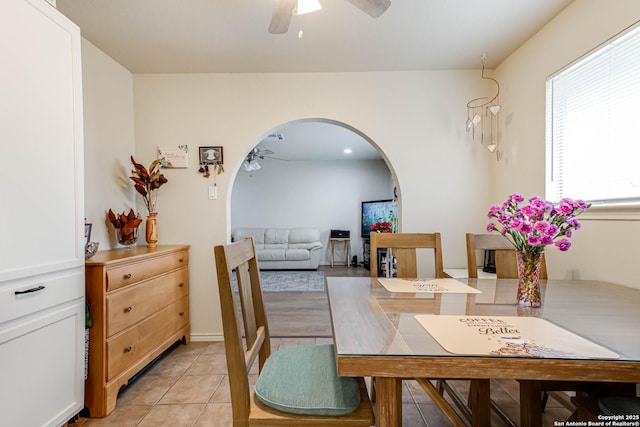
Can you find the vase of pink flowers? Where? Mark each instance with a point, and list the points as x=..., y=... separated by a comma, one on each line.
x=531, y=228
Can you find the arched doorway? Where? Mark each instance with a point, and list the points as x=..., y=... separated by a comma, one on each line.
x=306, y=179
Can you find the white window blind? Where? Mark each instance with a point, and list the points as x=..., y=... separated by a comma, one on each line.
x=593, y=125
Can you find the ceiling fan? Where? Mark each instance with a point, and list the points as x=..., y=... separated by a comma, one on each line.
x=285, y=9
x=251, y=161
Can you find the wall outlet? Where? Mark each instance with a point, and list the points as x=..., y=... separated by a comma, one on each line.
x=213, y=193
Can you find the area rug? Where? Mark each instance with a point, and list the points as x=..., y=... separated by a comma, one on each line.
x=281, y=281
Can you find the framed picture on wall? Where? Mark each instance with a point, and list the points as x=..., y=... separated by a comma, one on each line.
x=173, y=156
x=211, y=156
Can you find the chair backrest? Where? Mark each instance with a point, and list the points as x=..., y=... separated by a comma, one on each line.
x=505, y=255
x=404, y=246
x=241, y=257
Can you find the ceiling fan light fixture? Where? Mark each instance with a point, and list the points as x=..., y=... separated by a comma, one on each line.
x=306, y=6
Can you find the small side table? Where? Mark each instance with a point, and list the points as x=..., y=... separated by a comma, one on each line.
x=347, y=248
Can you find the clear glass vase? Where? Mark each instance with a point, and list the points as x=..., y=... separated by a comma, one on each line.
x=529, y=264
x=127, y=236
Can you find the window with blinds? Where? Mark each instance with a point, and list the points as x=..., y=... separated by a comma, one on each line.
x=593, y=125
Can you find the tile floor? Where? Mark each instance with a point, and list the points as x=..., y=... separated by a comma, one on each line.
x=189, y=387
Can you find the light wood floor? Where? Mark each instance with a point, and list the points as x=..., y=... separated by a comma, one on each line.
x=189, y=385
x=304, y=314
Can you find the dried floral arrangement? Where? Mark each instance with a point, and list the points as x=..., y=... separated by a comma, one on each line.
x=127, y=224
x=146, y=181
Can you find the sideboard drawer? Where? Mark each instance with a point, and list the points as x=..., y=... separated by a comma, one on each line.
x=125, y=275
x=126, y=348
x=131, y=304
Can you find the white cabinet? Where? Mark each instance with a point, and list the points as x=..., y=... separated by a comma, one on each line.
x=41, y=216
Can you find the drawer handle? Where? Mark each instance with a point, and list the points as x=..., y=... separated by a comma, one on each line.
x=128, y=310
x=181, y=260
x=28, y=291
x=128, y=349
x=181, y=285
x=182, y=314
x=127, y=276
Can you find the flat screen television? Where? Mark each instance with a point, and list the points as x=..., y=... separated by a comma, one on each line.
x=376, y=211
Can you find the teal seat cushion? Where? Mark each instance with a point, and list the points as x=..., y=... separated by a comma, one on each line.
x=304, y=380
x=619, y=405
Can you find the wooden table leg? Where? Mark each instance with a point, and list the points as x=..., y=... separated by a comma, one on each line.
x=388, y=402
x=480, y=402
x=530, y=403
x=333, y=242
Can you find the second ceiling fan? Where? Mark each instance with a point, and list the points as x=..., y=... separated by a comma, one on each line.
x=285, y=9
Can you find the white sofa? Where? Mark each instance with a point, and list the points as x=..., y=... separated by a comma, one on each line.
x=284, y=248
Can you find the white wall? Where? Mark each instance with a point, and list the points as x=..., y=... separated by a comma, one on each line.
x=602, y=249
x=322, y=194
x=415, y=118
x=108, y=140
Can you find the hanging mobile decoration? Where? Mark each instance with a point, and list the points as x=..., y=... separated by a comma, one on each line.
x=487, y=107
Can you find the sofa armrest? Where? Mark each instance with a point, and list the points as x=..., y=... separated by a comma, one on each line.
x=315, y=246
x=311, y=246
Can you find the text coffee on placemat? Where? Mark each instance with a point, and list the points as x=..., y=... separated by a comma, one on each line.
x=426, y=285
x=509, y=336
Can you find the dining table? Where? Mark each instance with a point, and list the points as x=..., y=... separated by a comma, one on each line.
x=391, y=335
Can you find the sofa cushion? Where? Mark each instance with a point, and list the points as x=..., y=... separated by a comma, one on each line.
x=276, y=237
x=306, y=246
x=256, y=233
x=303, y=235
x=304, y=380
x=272, y=254
x=297, y=254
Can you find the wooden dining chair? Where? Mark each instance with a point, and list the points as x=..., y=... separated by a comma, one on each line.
x=297, y=386
x=505, y=256
x=403, y=248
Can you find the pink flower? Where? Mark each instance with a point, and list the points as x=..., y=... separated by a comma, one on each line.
x=541, y=226
x=526, y=228
x=491, y=227
x=533, y=240
x=515, y=224
x=566, y=206
x=493, y=211
x=552, y=230
x=516, y=198
x=563, y=245
x=546, y=240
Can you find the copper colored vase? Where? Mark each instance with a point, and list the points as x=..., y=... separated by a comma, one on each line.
x=152, y=230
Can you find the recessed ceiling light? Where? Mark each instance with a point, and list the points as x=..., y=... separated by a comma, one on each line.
x=347, y=151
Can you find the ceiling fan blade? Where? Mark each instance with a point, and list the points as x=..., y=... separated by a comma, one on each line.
x=373, y=8
x=281, y=18
x=274, y=158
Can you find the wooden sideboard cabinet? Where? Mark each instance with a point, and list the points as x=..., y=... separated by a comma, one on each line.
x=139, y=301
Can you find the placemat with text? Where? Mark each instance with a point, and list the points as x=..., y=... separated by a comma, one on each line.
x=426, y=285
x=509, y=336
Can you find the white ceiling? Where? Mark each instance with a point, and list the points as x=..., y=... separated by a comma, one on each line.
x=309, y=140
x=231, y=36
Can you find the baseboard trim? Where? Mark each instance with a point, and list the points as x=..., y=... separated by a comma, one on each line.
x=207, y=337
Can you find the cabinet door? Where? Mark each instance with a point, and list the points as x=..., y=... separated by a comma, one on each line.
x=41, y=184
x=42, y=367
